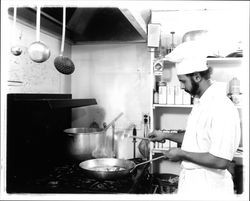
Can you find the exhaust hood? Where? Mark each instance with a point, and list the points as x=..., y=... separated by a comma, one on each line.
x=93, y=24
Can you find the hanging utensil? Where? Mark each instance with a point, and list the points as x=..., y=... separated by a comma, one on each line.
x=38, y=51
x=15, y=50
x=63, y=64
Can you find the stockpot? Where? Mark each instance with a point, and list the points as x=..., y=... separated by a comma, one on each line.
x=82, y=142
x=87, y=143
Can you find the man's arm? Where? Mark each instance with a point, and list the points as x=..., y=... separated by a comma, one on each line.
x=175, y=137
x=205, y=159
x=160, y=136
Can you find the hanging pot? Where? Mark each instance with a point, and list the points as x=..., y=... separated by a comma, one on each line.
x=63, y=64
x=38, y=51
x=15, y=50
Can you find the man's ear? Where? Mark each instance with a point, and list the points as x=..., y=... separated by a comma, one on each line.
x=197, y=77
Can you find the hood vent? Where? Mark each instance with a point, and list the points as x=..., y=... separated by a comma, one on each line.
x=90, y=24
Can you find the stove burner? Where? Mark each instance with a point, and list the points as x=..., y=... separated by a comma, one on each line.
x=104, y=186
x=70, y=178
x=165, y=183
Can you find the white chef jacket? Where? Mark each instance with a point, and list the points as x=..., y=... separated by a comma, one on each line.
x=213, y=126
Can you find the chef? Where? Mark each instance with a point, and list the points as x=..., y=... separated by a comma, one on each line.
x=213, y=128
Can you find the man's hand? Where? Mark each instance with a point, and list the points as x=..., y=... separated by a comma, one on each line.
x=157, y=136
x=174, y=154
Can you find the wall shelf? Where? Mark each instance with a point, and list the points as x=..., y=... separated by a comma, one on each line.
x=225, y=60
x=172, y=105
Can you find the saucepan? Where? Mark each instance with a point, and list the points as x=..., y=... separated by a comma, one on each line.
x=111, y=168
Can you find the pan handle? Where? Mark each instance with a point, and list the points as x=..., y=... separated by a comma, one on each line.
x=141, y=138
x=154, y=159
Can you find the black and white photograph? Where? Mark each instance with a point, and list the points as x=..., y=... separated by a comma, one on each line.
x=124, y=100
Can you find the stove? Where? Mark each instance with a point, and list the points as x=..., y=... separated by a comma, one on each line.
x=70, y=178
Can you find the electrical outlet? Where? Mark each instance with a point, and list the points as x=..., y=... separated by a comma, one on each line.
x=145, y=118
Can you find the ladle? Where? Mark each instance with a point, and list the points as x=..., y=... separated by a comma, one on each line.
x=148, y=161
x=15, y=50
x=38, y=51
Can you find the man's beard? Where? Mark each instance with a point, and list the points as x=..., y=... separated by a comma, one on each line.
x=194, y=89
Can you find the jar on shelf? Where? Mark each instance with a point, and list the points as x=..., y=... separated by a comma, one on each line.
x=234, y=91
x=234, y=86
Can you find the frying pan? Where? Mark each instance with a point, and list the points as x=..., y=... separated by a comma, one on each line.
x=111, y=168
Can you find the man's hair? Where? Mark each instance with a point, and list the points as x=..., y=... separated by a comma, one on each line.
x=206, y=74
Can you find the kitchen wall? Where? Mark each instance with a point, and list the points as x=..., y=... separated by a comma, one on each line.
x=34, y=77
x=118, y=77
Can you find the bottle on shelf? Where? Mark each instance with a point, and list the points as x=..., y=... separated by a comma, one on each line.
x=170, y=94
x=162, y=92
x=177, y=95
x=172, y=45
x=156, y=97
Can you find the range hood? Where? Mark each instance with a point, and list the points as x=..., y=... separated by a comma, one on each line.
x=92, y=24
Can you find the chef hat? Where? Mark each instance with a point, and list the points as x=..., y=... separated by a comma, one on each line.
x=189, y=57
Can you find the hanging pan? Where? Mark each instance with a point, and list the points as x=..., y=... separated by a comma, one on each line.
x=63, y=64
x=38, y=51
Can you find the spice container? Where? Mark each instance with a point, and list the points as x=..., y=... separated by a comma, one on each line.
x=177, y=95
x=170, y=94
x=162, y=93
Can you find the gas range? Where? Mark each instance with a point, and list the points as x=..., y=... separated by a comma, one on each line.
x=70, y=178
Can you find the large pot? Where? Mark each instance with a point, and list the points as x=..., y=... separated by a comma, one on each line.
x=84, y=143
x=88, y=143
